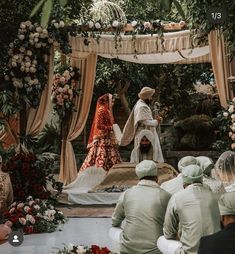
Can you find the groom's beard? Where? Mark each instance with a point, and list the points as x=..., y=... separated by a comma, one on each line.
x=144, y=148
x=147, y=101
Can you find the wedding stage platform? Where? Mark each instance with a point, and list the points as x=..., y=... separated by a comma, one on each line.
x=95, y=187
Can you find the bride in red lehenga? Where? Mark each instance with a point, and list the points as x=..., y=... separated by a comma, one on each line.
x=102, y=145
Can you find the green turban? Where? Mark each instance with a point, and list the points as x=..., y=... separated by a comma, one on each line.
x=192, y=174
x=146, y=168
x=206, y=164
x=227, y=203
x=186, y=161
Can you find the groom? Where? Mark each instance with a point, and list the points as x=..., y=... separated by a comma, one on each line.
x=141, y=119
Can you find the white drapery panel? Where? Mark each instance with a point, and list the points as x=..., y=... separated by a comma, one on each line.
x=140, y=44
x=145, y=49
x=186, y=56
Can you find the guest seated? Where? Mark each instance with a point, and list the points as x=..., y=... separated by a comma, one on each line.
x=225, y=170
x=6, y=192
x=143, y=206
x=5, y=230
x=222, y=242
x=191, y=213
x=176, y=184
x=144, y=149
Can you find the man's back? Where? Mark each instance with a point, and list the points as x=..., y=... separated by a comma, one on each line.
x=144, y=206
x=222, y=242
x=196, y=211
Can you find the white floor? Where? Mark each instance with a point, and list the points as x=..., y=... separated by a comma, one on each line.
x=85, y=231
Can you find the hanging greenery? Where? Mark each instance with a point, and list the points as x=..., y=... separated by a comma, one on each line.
x=198, y=15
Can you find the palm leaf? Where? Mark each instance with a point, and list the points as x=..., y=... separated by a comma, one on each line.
x=179, y=8
x=166, y=4
x=46, y=12
x=63, y=2
x=36, y=8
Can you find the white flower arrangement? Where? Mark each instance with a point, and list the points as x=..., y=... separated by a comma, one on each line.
x=29, y=55
x=90, y=24
x=115, y=24
x=229, y=114
x=134, y=23
x=97, y=25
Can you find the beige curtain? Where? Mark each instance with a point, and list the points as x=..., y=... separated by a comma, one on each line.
x=141, y=44
x=220, y=62
x=37, y=117
x=87, y=66
x=232, y=76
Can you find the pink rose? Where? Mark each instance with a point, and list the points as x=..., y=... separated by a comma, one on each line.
x=233, y=146
x=147, y=25
x=22, y=221
x=182, y=23
x=12, y=210
x=31, y=203
x=26, y=208
x=20, y=205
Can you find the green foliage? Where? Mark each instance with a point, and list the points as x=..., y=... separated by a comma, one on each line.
x=49, y=140
x=222, y=123
x=12, y=13
x=50, y=7
x=196, y=17
x=8, y=104
x=195, y=133
x=174, y=82
x=46, y=12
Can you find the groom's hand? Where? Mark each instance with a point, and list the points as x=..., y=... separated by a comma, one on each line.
x=159, y=118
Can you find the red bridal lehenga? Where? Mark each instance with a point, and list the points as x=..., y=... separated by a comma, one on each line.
x=102, y=145
x=102, y=149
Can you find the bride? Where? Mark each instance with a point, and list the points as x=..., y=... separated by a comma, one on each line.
x=102, y=144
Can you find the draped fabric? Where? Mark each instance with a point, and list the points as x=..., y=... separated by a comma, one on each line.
x=185, y=56
x=37, y=118
x=9, y=136
x=141, y=44
x=146, y=49
x=220, y=62
x=149, y=49
x=87, y=65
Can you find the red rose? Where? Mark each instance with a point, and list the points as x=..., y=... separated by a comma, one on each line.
x=14, y=219
x=105, y=250
x=28, y=229
x=95, y=249
x=7, y=214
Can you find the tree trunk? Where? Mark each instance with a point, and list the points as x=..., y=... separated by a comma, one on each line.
x=122, y=89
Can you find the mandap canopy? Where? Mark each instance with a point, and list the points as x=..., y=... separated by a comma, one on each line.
x=145, y=49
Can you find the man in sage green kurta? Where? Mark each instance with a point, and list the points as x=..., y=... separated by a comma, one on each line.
x=143, y=206
x=191, y=214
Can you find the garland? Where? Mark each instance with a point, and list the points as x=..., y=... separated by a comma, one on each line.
x=64, y=90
